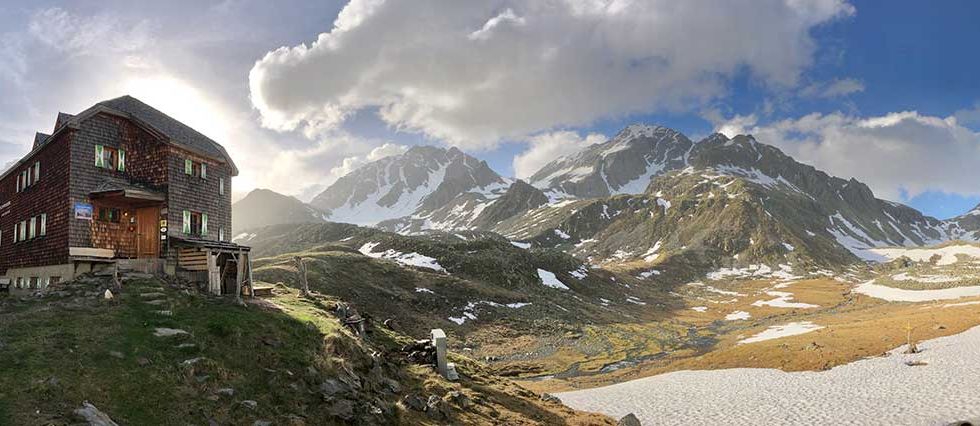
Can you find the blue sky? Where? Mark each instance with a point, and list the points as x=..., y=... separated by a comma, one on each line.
x=882, y=91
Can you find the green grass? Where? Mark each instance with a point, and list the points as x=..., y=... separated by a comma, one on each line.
x=247, y=349
x=55, y=354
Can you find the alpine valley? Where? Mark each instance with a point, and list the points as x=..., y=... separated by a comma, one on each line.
x=644, y=254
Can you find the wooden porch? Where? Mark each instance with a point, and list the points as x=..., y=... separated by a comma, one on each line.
x=127, y=220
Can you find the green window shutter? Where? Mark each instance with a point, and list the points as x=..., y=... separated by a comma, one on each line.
x=204, y=224
x=204, y=171
x=99, y=159
x=188, y=166
x=44, y=225
x=221, y=186
x=122, y=161
x=187, y=222
x=37, y=171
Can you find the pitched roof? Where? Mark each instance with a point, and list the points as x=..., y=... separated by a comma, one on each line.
x=179, y=133
x=40, y=139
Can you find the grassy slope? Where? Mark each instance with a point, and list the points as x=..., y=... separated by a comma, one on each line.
x=276, y=356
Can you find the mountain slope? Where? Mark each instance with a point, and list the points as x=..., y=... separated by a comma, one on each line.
x=263, y=207
x=421, y=180
x=736, y=203
x=623, y=165
x=968, y=224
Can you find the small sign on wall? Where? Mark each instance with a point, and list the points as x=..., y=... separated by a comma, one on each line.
x=83, y=211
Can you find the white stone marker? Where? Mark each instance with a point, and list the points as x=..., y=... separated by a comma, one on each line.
x=439, y=341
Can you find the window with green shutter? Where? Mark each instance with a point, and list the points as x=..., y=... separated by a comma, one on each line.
x=99, y=158
x=204, y=171
x=188, y=166
x=204, y=224
x=187, y=222
x=121, y=164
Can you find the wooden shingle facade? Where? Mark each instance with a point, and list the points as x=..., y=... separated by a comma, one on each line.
x=119, y=180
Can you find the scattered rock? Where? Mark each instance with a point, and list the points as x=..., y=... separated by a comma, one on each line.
x=154, y=295
x=168, y=332
x=333, y=387
x=186, y=345
x=629, y=420
x=550, y=398
x=93, y=416
x=414, y=402
x=459, y=398
x=393, y=385
x=142, y=361
x=225, y=392
x=813, y=346
x=107, y=295
x=116, y=354
x=262, y=423
x=342, y=408
x=164, y=313
x=916, y=363
x=939, y=327
x=437, y=408
x=156, y=302
x=248, y=403
x=191, y=361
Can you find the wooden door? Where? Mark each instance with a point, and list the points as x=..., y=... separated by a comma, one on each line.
x=148, y=232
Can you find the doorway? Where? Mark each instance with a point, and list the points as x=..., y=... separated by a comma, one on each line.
x=148, y=233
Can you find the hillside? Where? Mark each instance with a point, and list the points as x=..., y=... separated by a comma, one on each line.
x=160, y=354
x=263, y=207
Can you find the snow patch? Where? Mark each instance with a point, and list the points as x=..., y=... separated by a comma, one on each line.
x=549, y=279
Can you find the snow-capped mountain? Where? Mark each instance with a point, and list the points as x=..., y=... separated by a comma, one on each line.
x=422, y=180
x=968, y=224
x=648, y=195
x=723, y=201
x=623, y=165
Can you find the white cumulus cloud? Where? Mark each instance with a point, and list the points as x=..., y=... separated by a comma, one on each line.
x=475, y=73
x=893, y=153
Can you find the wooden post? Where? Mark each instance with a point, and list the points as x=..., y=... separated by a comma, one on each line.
x=214, y=284
x=238, y=278
x=251, y=280
x=116, y=281
x=301, y=268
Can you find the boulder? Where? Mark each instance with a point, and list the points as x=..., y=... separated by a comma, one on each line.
x=93, y=415
x=629, y=420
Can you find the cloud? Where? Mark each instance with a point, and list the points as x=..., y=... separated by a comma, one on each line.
x=79, y=35
x=545, y=148
x=969, y=117
x=833, y=89
x=901, y=154
x=350, y=164
x=475, y=73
